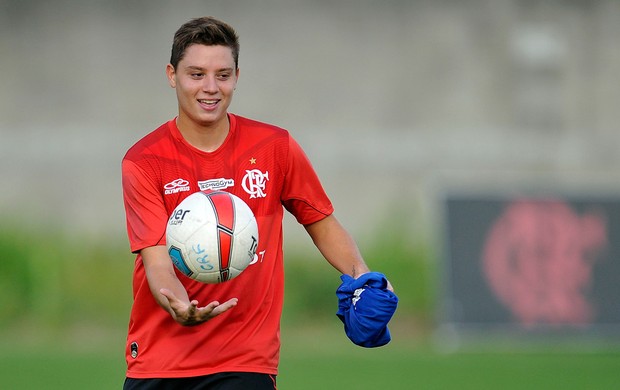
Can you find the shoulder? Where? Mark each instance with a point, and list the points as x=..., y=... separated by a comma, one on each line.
x=257, y=128
x=156, y=139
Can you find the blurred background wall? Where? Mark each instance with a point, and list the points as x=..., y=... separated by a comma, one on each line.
x=404, y=107
x=403, y=98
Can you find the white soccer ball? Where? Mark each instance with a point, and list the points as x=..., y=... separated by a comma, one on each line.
x=212, y=236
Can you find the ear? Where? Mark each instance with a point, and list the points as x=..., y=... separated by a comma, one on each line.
x=236, y=77
x=171, y=75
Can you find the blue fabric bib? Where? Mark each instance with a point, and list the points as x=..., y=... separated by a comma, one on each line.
x=365, y=306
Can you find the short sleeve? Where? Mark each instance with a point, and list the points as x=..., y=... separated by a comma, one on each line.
x=303, y=195
x=145, y=212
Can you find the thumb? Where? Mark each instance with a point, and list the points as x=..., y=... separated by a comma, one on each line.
x=168, y=294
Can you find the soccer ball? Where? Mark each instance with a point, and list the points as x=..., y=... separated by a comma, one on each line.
x=212, y=236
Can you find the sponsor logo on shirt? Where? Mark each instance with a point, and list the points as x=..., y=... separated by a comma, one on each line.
x=216, y=184
x=254, y=183
x=178, y=185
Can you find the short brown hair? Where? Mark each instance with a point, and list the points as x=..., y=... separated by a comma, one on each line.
x=204, y=31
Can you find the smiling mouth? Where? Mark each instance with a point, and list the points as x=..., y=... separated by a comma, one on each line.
x=208, y=102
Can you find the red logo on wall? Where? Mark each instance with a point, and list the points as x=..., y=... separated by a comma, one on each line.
x=538, y=260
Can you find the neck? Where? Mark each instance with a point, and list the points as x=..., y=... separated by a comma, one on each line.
x=206, y=137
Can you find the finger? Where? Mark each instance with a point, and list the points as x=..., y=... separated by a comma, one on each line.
x=191, y=309
x=211, y=306
x=214, y=308
x=221, y=308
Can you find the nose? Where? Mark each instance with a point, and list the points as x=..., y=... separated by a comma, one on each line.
x=209, y=84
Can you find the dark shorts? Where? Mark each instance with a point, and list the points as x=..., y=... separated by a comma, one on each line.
x=221, y=381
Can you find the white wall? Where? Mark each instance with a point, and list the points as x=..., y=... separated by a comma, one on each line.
x=395, y=101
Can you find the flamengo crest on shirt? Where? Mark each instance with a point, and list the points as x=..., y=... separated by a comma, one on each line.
x=254, y=183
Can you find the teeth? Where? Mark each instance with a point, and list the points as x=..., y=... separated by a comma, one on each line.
x=207, y=101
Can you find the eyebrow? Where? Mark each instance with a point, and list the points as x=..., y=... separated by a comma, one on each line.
x=201, y=69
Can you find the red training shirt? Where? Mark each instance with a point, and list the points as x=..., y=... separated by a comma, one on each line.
x=265, y=167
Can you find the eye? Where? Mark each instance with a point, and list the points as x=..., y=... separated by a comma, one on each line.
x=196, y=75
x=223, y=76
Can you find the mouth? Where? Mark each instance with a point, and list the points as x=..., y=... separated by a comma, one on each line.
x=208, y=103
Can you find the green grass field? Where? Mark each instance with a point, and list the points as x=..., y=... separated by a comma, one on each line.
x=322, y=358
x=63, y=318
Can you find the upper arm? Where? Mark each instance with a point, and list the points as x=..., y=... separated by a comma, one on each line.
x=145, y=212
x=302, y=193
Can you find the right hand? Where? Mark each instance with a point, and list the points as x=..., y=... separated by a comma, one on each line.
x=189, y=314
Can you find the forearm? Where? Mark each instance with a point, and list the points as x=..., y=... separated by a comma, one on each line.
x=160, y=275
x=337, y=246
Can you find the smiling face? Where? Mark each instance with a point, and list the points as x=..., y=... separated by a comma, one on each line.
x=204, y=80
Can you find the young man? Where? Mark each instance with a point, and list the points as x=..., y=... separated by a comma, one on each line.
x=183, y=333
